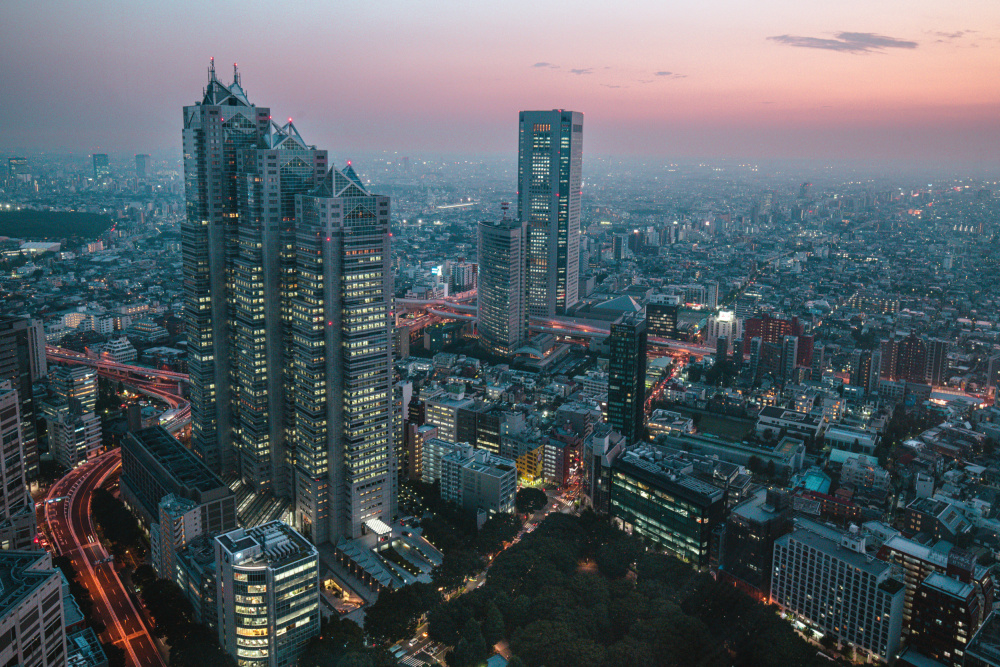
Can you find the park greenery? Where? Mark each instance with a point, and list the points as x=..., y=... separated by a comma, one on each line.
x=577, y=592
x=530, y=499
x=117, y=525
x=53, y=225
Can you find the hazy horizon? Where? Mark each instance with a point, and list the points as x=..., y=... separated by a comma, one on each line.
x=902, y=81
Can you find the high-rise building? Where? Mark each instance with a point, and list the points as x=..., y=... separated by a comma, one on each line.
x=477, y=480
x=260, y=316
x=726, y=326
x=142, y=163
x=818, y=364
x=463, y=277
x=267, y=594
x=789, y=354
x=627, y=377
x=865, y=369
x=102, y=166
x=76, y=386
x=946, y=613
x=748, y=547
x=74, y=437
x=503, y=323
x=21, y=363
x=32, y=617
x=216, y=131
x=17, y=511
x=549, y=182
x=346, y=472
x=17, y=167
x=661, y=315
x=829, y=581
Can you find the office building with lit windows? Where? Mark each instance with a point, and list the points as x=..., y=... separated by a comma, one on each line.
x=549, y=183
x=627, y=377
x=267, y=594
x=342, y=327
x=671, y=509
x=829, y=582
x=503, y=324
x=216, y=130
x=17, y=510
x=22, y=361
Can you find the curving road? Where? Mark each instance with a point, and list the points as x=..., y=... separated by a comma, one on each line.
x=71, y=529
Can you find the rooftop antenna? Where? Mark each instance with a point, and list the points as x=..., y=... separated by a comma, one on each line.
x=504, y=206
x=236, y=75
x=211, y=69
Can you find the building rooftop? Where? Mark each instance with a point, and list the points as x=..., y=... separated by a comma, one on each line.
x=182, y=464
x=985, y=644
x=952, y=587
x=21, y=572
x=272, y=544
x=825, y=544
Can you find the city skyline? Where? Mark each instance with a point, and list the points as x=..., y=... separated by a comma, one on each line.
x=893, y=82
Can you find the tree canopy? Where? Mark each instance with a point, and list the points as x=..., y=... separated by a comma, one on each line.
x=577, y=592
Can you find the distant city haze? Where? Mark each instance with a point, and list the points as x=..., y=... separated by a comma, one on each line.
x=854, y=79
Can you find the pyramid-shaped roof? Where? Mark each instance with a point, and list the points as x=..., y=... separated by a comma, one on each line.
x=341, y=184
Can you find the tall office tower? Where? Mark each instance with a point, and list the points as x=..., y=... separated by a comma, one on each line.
x=216, y=130
x=102, y=166
x=549, y=181
x=76, y=386
x=503, y=324
x=661, y=315
x=17, y=511
x=627, y=377
x=346, y=473
x=20, y=340
x=263, y=286
x=17, y=168
x=818, y=363
x=142, y=163
x=267, y=588
x=789, y=353
x=936, y=371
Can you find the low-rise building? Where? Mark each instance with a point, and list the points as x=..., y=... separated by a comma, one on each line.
x=479, y=481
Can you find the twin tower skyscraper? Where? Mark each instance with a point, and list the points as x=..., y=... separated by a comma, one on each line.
x=289, y=317
x=530, y=266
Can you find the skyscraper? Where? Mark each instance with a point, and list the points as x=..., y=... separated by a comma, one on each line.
x=17, y=511
x=346, y=473
x=22, y=364
x=627, y=377
x=142, y=165
x=215, y=131
x=289, y=318
x=263, y=285
x=102, y=166
x=549, y=181
x=501, y=290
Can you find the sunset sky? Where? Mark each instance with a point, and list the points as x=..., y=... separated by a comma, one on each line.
x=868, y=79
